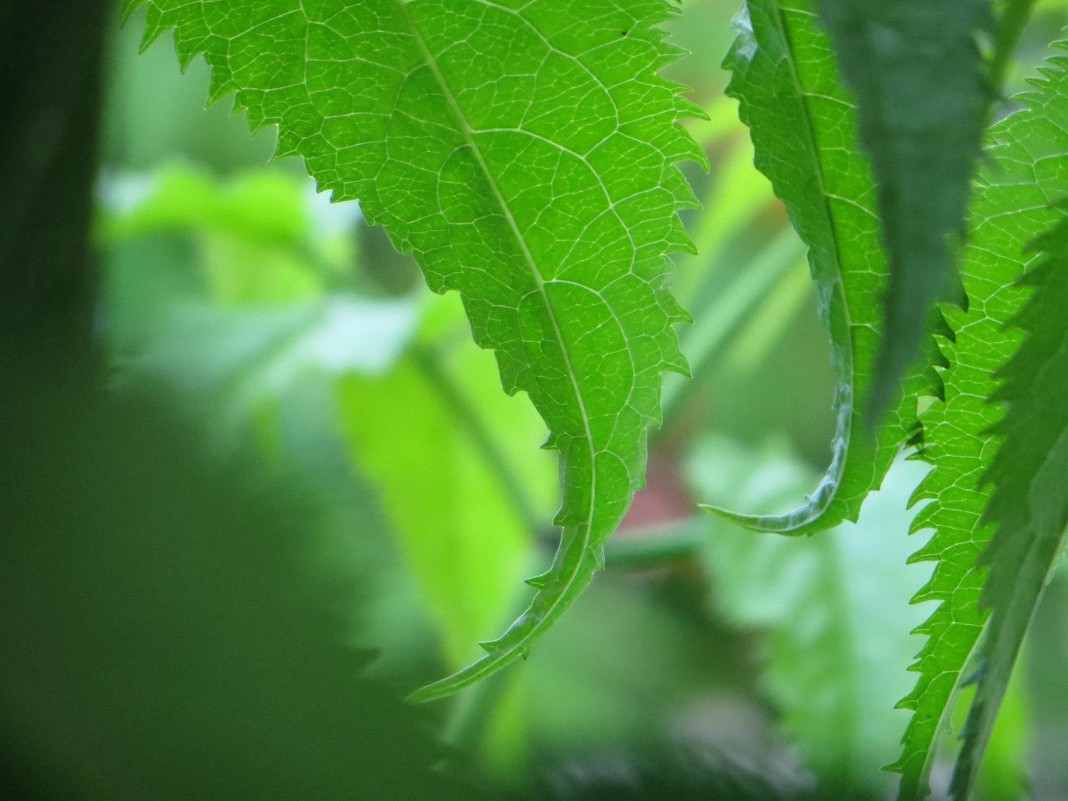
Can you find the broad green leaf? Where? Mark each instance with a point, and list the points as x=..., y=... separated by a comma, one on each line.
x=919, y=80
x=525, y=154
x=833, y=611
x=1025, y=173
x=449, y=478
x=1029, y=505
x=803, y=126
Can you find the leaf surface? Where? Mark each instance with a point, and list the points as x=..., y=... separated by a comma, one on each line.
x=1025, y=173
x=804, y=129
x=1029, y=505
x=524, y=153
x=919, y=80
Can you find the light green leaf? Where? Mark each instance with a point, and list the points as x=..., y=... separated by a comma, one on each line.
x=834, y=612
x=449, y=480
x=920, y=83
x=260, y=206
x=803, y=126
x=524, y=153
x=1029, y=505
x=1025, y=173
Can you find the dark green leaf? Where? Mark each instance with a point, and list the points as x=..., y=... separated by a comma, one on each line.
x=918, y=76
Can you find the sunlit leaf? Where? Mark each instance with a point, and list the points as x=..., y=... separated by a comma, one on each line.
x=524, y=154
x=1026, y=172
x=1029, y=506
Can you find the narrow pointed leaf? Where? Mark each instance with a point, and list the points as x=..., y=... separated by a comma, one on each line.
x=804, y=128
x=525, y=154
x=919, y=79
x=1025, y=170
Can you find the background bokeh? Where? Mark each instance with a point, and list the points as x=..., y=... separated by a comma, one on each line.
x=300, y=361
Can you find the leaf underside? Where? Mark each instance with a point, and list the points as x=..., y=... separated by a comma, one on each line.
x=1029, y=506
x=920, y=84
x=804, y=129
x=525, y=153
x=1024, y=174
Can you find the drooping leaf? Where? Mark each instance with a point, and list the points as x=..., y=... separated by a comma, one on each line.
x=1029, y=505
x=833, y=612
x=1025, y=173
x=803, y=126
x=467, y=532
x=524, y=153
x=918, y=76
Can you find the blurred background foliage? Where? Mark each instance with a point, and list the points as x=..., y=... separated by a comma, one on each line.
x=706, y=662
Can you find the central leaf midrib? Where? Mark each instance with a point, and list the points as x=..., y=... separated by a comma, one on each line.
x=467, y=132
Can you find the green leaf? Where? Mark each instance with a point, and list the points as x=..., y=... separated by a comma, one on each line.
x=467, y=531
x=803, y=126
x=524, y=153
x=1029, y=505
x=1012, y=206
x=834, y=611
x=920, y=84
x=258, y=206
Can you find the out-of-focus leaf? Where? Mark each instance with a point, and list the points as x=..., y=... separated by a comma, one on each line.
x=169, y=629
x=1025, y=173
x=263, y=206
x=248, y=353
x=461, y=480
x=834, y=611
x=920, y=86
x=261, y=236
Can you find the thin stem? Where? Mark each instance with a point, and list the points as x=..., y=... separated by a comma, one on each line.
x=657, y=546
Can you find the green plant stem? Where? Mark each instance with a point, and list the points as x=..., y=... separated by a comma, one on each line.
x=511, y=484
x=658, y=545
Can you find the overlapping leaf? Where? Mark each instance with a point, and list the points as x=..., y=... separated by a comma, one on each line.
x=524, y=153
x=918, y=76
x=1026, y=173
x=1029, y=506
x=804, y=128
